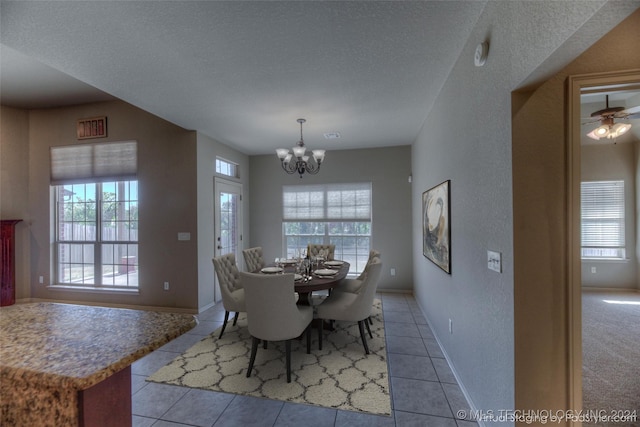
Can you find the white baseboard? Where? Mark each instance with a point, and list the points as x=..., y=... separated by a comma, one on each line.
x=206, y=307
x=394, y=291
x=472, y=406
x=597, y=289
x=95, y=304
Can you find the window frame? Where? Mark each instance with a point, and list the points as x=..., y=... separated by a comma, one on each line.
x=96, y=248
x=233, y=168
x=600, y=211
x=324, y=213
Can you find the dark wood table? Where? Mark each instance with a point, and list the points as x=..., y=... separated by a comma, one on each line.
x=317, y=283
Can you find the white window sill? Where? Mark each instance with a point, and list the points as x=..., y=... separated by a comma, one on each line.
x=619, y=260
x=94, y=289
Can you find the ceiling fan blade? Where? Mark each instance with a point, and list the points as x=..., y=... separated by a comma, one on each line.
x=631, y=110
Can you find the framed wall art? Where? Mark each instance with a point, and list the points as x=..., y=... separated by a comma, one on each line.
x=94, y=127
x=436, y=231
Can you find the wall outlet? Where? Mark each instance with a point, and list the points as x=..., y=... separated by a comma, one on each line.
x=593, y=270
x=184, y=236
x=451, y=326
x=166, y=286
x=393, y=271
x=41, y=280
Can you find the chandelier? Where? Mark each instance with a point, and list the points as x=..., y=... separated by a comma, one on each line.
x=297, y=161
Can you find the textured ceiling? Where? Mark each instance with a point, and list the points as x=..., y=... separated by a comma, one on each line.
x=242, y=72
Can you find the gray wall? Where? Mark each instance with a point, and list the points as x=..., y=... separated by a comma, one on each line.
x=208, y=149
x=388, y=170
x=601, y=162
x=504, y=153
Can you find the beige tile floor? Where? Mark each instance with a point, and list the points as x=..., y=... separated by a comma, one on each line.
x=424, y=391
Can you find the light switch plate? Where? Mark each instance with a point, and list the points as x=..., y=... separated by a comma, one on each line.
x=184, y=236
x=494, y=261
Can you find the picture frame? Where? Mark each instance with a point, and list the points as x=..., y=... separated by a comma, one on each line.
x=436, y=225
x=92, y=127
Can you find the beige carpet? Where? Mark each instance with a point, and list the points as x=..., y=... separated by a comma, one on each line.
x=611, y=358
x=341, y=376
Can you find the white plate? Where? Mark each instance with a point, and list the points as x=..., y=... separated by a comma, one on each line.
x=298, y=277
x=271, y=270
x=288, y=261
x=325, y=272
x=334, y=263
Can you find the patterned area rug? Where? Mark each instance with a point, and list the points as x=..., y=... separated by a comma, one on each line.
x=341, y=376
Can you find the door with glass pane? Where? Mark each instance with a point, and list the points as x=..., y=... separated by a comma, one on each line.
x=228, y=222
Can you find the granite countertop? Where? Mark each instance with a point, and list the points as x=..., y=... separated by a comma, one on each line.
x=77, y=346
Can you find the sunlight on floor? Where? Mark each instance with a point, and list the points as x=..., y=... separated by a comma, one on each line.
x=621, y=302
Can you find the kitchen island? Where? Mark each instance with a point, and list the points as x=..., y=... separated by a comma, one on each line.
x=70, y=365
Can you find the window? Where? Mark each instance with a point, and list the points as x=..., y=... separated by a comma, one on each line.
x=96, y=215
x=227, y=168
x=602, y=206
x=337, y=214
x=97, y=234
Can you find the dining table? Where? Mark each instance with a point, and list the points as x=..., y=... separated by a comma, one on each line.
x=320, y=279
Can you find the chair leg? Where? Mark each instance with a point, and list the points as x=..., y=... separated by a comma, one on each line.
x=288, y=359
x=364, y=338
x=254, y=349
x=309, y=338
x=264, y=344
x=224, y=324
x=235, y=319
x=370, y=320
x=320, y=326
x=366, y=323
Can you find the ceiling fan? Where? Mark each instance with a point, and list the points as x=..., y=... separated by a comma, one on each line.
x=608, y=127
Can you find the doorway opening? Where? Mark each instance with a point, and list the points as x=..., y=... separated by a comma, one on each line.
x=596, y=263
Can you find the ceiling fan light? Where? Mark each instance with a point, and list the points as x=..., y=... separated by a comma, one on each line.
x=620, y=129
x=593, y=135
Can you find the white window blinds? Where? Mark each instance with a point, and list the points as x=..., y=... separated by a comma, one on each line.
x=329, y=202
x=94, y=162
x=602, y=214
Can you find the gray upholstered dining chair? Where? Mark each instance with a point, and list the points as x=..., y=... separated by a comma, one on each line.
x=230, y=287
x=253, y=259
x=354, y=307
x=352, y=285
x=272, y=313
x=313, y=250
